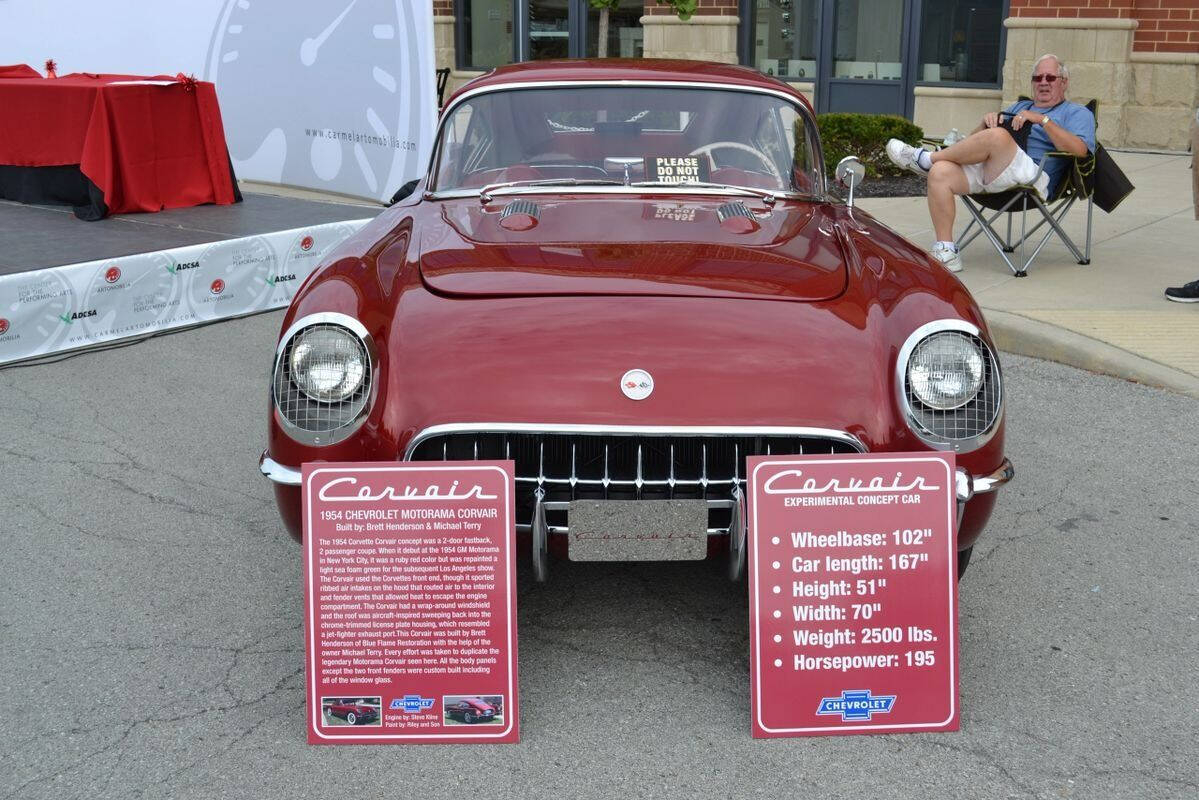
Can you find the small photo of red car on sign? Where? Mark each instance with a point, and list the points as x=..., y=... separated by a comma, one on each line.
x=473, y=709
x=352, y=710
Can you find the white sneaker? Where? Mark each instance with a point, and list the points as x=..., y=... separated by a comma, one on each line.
x=950, y=259
x=905, y=156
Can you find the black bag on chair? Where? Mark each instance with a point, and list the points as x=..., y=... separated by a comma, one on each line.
x=1108, y=183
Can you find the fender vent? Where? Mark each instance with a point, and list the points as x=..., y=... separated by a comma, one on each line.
x=736, y=218
x=734, y=209
x=519, y=215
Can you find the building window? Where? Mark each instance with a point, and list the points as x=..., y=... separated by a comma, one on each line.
x=624, y=30
x=786, y=38
x=549, y=29
x=868, y=39
x=495, y=32
x=960, y=41
x=484, y=34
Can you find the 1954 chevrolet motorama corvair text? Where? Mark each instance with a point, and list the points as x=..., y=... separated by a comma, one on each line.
x=628, y=276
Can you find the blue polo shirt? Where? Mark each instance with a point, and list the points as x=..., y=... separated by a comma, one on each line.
x=1071, y=116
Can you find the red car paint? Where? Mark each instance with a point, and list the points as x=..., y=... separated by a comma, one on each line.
x=797, y=322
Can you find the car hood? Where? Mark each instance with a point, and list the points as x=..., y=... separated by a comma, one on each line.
x=632, y=245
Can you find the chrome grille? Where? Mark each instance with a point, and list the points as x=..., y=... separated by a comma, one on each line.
x=967, y=421
x=572, y=465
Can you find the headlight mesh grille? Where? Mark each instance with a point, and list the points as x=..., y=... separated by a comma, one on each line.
x=975, y=417
x=311, y=416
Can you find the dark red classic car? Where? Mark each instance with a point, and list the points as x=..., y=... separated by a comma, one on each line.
x=353, y=713
x=471, y=710
x=628, y=276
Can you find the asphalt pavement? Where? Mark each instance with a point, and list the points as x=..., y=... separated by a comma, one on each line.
x=151, y=616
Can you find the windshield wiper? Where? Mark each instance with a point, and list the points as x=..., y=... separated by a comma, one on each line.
x=767, y=196
x=486, y=192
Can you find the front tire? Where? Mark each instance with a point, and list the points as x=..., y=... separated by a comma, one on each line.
x=351, y=718
x=964, y=560
x=470, y=718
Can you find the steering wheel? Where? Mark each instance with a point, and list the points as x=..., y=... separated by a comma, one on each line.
x=707, y=149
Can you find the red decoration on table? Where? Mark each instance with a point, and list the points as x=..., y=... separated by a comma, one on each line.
x=51, y=68
x=188, y=81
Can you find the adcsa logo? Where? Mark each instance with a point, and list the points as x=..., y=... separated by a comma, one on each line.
x=273, y=279
x=70, y=318
x=3, y=326
x=306, y=243
x=181, y=265
x=217, y=286
x=112, y=274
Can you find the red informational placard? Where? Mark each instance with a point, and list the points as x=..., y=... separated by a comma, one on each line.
x=853, y=594
x=410, y=600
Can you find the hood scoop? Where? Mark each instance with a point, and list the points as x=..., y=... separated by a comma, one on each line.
x=734, y=217
x=520, y=215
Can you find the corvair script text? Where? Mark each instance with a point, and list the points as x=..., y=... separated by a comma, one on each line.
x=853, y=485
x=367, y=494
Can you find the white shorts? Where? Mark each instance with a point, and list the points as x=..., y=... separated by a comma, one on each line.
x=1019, y=172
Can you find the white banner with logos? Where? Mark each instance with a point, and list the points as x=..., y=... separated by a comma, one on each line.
x=82, y=305
x=338, y=95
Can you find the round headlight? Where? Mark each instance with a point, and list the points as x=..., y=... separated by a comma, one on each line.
x=328, y=364
x=946, y=370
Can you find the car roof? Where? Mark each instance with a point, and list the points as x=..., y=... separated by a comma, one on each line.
x=628, y=69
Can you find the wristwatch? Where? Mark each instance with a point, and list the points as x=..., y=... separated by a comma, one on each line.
x=1044, y=120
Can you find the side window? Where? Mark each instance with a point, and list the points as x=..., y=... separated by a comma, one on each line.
x=804, y=170
x=477, y=145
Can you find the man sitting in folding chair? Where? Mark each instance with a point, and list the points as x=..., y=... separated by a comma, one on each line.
x=991, y=161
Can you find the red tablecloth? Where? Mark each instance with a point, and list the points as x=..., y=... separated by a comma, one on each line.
x=146, y=146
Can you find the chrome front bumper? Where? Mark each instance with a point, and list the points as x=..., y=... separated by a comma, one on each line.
x=278, y=473
x=966, y=486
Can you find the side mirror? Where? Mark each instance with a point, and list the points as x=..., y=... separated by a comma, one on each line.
x=850, y=172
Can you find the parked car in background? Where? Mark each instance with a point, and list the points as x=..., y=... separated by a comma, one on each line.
x=470, y=710
x=627, y=277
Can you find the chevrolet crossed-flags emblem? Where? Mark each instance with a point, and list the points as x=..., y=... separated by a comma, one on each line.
x=856, y=705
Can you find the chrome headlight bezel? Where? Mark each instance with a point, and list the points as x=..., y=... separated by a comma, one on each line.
x=962, y=427
x=304, y=415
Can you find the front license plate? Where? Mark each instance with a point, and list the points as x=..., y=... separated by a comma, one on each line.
x=638, y=530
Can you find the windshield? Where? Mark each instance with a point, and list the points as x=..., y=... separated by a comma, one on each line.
x=628, y=135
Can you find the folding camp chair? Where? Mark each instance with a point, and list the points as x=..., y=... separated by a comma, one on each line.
x=1075, y=185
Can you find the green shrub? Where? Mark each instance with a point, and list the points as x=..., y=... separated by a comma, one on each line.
x=864, y=136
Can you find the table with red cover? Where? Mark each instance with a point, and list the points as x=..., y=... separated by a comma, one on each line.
x=112, y=144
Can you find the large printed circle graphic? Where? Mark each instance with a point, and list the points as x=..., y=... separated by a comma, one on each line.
x=131, y=296
x=235, y=277
x=349, y=122
x=39, y=314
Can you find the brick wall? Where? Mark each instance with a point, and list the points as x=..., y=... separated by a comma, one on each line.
x=443, y=8
x=707, y=8
x=1164, y=26
x=1072, y=8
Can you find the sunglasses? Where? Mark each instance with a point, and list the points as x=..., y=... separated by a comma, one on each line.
x=1045, y=78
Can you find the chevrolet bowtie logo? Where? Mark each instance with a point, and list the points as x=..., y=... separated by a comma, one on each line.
x=856, y=705
x=412, y=703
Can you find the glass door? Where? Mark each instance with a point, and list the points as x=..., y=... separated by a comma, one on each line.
x=572, y=29
x=549, y=29
x=864, y=57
